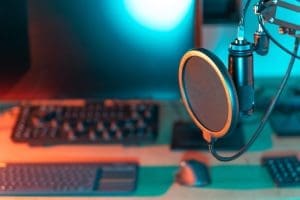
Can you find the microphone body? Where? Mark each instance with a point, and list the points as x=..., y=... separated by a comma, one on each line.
x=240, y=67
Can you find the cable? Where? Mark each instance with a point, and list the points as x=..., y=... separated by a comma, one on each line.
x=260, y=20
x=246, y=7
x=265, y=116
x=242, y=20
x=241, y=26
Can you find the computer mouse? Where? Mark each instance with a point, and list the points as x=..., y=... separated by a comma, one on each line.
x=193, y=173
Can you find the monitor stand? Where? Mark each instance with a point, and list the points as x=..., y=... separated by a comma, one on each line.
x=186, y=136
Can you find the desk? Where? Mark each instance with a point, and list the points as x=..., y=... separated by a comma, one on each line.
x=243, y=178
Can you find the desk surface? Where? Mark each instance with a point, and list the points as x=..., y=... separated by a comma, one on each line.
x=243, y=178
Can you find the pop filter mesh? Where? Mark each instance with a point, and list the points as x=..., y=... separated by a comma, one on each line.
x=205, y=93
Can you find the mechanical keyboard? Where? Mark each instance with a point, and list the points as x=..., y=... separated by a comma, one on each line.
x=106, y=122
x=285, y=170
x=68, y=178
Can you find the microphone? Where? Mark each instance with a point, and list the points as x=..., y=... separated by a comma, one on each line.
x=240, y=67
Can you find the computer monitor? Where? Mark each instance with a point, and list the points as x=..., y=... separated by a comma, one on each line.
x=96, y=49
x=14, y=43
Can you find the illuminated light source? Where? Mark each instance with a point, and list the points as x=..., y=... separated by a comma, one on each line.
x=158, y=14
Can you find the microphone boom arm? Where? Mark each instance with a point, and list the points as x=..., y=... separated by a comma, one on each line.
x=284, y=13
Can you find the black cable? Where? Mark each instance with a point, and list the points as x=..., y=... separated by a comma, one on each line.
x=260, y=20
x=246, y=7
x=244, y=12
x=265, y=116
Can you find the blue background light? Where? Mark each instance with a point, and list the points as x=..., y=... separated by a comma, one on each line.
x=149, y=47
x=154, y=24
x=158, y=14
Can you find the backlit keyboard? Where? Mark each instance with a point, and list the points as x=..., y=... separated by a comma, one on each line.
x=107, y=122
x=68, y=178
x=285, y=170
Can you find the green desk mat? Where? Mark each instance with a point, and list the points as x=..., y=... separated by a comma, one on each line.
x=157, y=180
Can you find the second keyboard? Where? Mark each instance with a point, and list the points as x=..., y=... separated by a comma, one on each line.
x=106, y=122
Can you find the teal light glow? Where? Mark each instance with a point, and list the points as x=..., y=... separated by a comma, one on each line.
x=158, y=14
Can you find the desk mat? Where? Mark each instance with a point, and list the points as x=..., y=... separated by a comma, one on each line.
x=240, y=177
x=156, y=180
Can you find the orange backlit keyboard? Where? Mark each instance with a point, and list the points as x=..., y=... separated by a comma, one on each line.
x=125, y=122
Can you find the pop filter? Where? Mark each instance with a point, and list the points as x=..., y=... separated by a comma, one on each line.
x=208, y=93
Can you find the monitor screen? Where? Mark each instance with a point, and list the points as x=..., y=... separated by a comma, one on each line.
x=14, y=43
x=96, y=49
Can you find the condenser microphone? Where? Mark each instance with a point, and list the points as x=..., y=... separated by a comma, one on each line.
x=240, y=66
